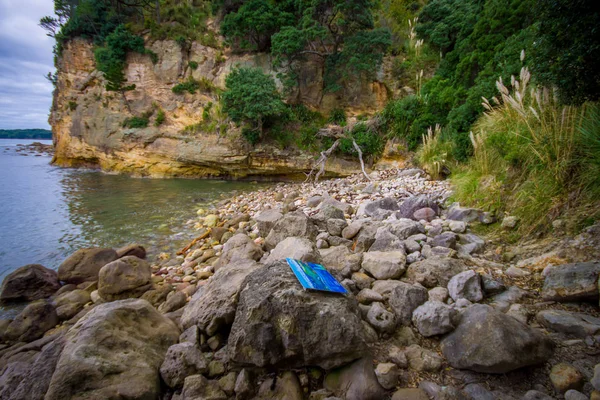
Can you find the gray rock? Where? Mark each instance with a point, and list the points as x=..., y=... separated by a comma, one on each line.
x=326, y=213
x=365, y=237
x=381, y=209
x=362, y=280
x=285, y=387
x=509, y=222
x=30, y=282
x=410, y=394
x=438, y=294
x=476, y=391
x=387, y=375
x=227, y=383
x=37, y=318
x=515, y=272
x=190, y=335
x=270, y=328
x=404, y=228
x=213, y=306
x=352, y=229
x=466, y=285
x=123, y=278
x=595, y=381
x=409, y=206
x=513, y=346
x=420, y=359
x=368, y=296
x=181, y=360
x=437, y=252
x=292, y=224
x=297, y=248
x=513, y=295
x=340, y=261
x=335, y=227
x=386, y=241
x=458, y=213
x=433, y=318
x=491, y=285
x=426, y=214
x=239, y=248
x=132, y=325
x=470, y=243
x=571, y=282
x=435, y=271
x=243, y=384
x=411, y=246
x=345, y=207
x=266, y=220
x=487, y=218
x=457, y=226
x=577, y=324
x=85, y=264
x=132, y=250
x=381, y=319
x=314, y=201
x=536, y=395
x=518, y=312
x=356, y=381
x=446, y=239
x=404, y=298
x=413, y=257
x=70, y=303
x=575, y=395
x=385, y=287
x=384, y=265
x=197, y=387
x=174, y=302
x=396, y=356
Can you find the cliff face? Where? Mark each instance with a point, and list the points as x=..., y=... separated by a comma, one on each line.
x=88, y=121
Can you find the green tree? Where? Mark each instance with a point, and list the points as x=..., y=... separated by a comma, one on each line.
x=251, y=97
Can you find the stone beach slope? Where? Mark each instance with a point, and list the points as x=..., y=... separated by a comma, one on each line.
x=434, y=310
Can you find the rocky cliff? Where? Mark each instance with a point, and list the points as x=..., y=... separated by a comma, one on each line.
x=88, y=122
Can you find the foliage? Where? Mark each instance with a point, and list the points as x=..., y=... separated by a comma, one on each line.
x=369, y=141
x=136, y=122
x=251, y=135
x=193, y=65
x=192, y=86
x=338, y=117
x=160, y=117
x=565, y=54
x=25, y=134
x=533, y=157
x=251, y=97
x=182, y=21
x=435, y=154
x=72, y=105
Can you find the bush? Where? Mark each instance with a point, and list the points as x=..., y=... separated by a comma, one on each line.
x=251, y=135
x=192, y=86
x=338, y=117
x=369, y=141
x=136, y=122
x=160, y=118
x=435, y=155
x=193, y=65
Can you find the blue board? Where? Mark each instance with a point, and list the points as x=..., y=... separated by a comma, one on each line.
x=314, y=276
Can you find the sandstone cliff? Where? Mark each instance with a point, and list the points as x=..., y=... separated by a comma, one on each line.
x=88, y=121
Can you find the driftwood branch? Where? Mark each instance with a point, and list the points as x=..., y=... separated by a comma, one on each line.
x=321, y=161
x=362, y=163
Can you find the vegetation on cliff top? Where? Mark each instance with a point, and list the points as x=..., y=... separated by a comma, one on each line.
x=25, y=134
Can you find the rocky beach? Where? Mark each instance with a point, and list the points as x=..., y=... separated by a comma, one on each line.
x=437, y=307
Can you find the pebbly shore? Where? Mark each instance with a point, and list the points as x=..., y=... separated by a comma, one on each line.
x=434, y=310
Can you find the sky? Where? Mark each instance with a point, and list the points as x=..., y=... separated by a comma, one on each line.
x=25, y=58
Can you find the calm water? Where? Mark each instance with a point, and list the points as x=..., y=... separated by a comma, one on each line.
x=49, y=212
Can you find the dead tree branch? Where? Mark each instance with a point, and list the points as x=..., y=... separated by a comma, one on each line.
x=362, y=163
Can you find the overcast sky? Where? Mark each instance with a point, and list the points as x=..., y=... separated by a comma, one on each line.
x=25, y=58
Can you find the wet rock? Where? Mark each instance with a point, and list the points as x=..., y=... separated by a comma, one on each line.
x=381, y=319
x=356, y=381
x=37, y=318
x=571, y=282
x=514, y=345
x=181, y=360
x=458, y=213
x=577, y=324
x=197, y=387
x=433, y=318
x=292, y=224
x=466, y=285
x=285, y=387
x=238, y=249
x=124, y=278
x=213, y=306
x=30, y=282
x=85, y=264
x=404, y=298
x=132, y=325
x=132, y=250
x=434, y=271
x=409, y=206
x=384, y=265
x=297, y=248
x=410, y=394
x=381, y=209
x=420, y=359
x=565, y=377
x=270, y=328
x=446, y=239
x=387, y=375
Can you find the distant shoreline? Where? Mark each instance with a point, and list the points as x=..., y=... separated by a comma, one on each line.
x=42, y=134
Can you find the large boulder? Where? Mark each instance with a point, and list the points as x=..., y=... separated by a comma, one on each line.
x=381, y=209
x=68, y=304
x=132, y=250
x=292, y=224
x=239, y=248
x=297, y=248
x=404, y=298
x=278, y=323
x=434, y=271
x=213, y=306
x=85, y=264
x=489, y=341
x=409, y=206
x=37, y=318
x=356, y=381
x=266, y=220
x=571, y=282
x=30, y=282
x=124, y=278
x=114, y=352
x=384, y=265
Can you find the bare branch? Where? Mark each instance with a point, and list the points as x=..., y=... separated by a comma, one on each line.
x=321, y=161
x=362, y=164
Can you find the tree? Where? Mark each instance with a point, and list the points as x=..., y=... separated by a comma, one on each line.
x=251, y=97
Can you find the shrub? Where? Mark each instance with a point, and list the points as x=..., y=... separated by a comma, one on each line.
x=435, y=154
x=193, y=65
x=338, y=117
x=369, y=141
x=160, y=118
x=72, y=105
x=136, y=122
x=251, y=135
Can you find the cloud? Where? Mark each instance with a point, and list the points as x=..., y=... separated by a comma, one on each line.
x=25, y=58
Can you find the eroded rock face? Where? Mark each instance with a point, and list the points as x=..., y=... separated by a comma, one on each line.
x=214, y=305
x=114, y=351
x=278, y=323
x=85, y=264
x=126, y=277
x=30, y=282
x=488, y=341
